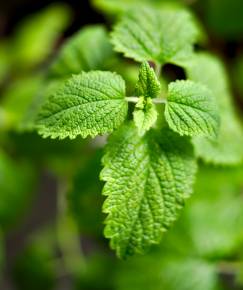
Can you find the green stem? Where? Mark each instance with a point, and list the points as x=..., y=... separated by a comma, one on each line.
x=158, y=67
x=133, y=99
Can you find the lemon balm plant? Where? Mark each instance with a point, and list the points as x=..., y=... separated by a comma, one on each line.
x=157, y=132
x=139, y=112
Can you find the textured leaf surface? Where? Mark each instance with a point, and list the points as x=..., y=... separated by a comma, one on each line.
x=147, y=181
x=148, y=84
x=145, y=115
x=88, y=104
x=227, y=149
x=89, y=49
x=164, y=35
x=191, y=109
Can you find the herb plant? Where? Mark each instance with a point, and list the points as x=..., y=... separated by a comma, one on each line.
x=163, y=139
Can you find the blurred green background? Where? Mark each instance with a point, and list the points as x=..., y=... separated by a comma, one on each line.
x=50, y=193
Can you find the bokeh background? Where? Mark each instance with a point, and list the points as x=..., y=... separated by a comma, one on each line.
x=41, y=247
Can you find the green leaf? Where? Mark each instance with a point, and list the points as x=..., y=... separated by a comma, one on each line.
x=145, y=115
x=88, y=104
x=191, y=110
x=160, y=35
x=36, y=36
x=147, y=180
x=227, y=148
x=148, y=84
x=88, y=49
x=161, y=270
x=17, y=99
x=214, y=213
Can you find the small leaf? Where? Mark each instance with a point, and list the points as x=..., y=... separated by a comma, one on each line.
x=145, y=115
x=147, y=180
x=160, y=35
x=88, y=104
x=148, y=84
x=89, y=49
x=191, y=110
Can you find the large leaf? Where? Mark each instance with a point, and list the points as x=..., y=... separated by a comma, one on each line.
x=165, y=35
x=88, y=104
x=147, y=180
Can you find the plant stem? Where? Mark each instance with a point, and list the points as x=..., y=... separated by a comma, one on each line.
x=133, y=99
x=158, y=67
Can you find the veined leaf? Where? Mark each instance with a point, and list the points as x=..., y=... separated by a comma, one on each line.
x=191, y=109
x=145, y=115
x=88, y=104
x=227, y=148
x=148, y=84
x=89, y=49
x=147, y=180
x=164, y=35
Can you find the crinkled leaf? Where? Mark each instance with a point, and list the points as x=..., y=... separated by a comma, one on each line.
x=147, y=180
x=160, y=35
x=89, y=49
x=148, y=84
x=191, y=109
x=88, y=104
x=227, y=149
x=145, y=115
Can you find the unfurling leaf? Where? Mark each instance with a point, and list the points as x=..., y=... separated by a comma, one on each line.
x=145, y=115
x=148, y=84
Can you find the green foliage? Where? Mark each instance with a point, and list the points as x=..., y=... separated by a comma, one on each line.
x=145, y=115
x=16, y=184
x=165, y=35
x=89, y=49
x=88, y=104
x=156, y=116
x=147, y=181
x=148, y=84
x=20, y=92
x=191, y=109
x=36, y=36
x=226, y=149
x=84, y=199
x=34, y=268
